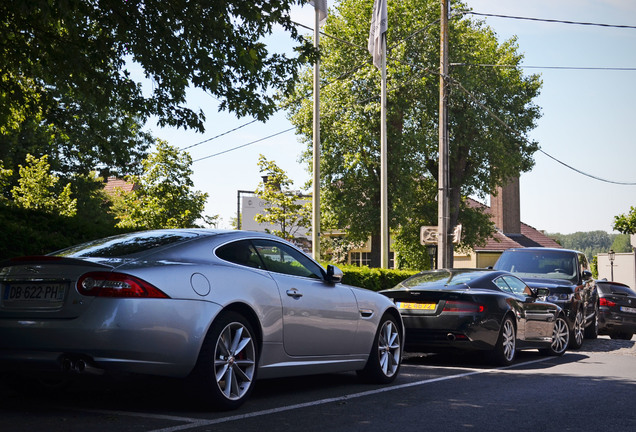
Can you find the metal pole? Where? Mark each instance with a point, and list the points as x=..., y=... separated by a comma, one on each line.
x=315, y=220
x=384, y=202
x=443, y=177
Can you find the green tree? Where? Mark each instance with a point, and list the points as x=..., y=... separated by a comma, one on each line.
x=38, y=189
x=484, y=154
x=622, y=243
x=626, y=223
x=162, y=196
x=67, y=90
x=285, y=209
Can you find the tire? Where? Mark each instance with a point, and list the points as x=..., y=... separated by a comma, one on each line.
x=560, y=338
x=505, y=349
x=226, y=369
x=577, y=332
x=591, y=331
x=384, y=360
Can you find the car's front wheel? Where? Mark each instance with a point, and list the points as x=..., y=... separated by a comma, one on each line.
x=576, y=335
x=560, y=338
x=226, y=368
x=386, y=354
x=505, y=350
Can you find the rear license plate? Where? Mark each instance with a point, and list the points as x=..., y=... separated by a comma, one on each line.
x=49, y=294
x=416, y=306
x=628, y=309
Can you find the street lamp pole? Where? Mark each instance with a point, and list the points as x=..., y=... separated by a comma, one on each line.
x=612, y=256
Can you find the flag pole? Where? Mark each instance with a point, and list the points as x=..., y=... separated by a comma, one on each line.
x=315, y=224
x=384, y=205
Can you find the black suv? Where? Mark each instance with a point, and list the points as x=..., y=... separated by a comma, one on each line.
x=567, y=275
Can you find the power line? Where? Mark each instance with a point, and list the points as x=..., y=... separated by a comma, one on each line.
x=552, y=20
x=219, y=135
x=244, y=145
x=546, y=67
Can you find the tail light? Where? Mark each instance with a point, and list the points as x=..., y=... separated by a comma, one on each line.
x=105, y=284
x=605, y=302
x=461, y=306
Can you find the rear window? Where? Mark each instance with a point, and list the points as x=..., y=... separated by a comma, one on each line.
x=125, y=245
x=610, y=288
x=440, y=279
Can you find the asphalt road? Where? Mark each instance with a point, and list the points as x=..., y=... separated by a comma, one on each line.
x=586, y=390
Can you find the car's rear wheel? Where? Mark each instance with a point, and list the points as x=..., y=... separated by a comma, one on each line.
x=226, y=368
x=505, y=350
x=576, y=335
x=591, y=331
x=560, y=338
x=386, y=354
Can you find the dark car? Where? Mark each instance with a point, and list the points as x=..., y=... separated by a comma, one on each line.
x=617, y=310
x=477, y=309
x=567, y=275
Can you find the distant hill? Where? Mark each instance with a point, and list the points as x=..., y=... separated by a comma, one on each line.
x=592, y=243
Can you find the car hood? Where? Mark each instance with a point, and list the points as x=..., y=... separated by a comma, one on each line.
x=554, y=285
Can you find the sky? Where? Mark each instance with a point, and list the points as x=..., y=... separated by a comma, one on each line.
x=588, y=118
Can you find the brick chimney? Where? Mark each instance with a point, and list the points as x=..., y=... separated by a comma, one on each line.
x=505, y=208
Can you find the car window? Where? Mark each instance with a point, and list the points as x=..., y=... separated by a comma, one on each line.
x=502, y=285
x=539, y=264
x=240, y=252
x=516, y=285
x=609, y=288
x=281, y=258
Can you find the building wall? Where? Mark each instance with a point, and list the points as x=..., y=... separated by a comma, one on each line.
x=624, y=268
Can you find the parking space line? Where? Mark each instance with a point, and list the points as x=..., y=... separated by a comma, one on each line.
x=191, y=423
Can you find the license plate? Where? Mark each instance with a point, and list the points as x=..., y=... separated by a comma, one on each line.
x=628, y=309
x=47, y=293
x=416, y=306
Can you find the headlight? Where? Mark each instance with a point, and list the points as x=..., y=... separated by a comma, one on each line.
x=560, y=297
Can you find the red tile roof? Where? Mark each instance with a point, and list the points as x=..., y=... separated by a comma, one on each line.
x=114, y=183
x=529, y=237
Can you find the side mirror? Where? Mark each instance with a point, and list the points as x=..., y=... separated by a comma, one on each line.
x=334, y=274
x=586, y=275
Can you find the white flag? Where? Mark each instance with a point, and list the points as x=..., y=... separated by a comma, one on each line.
x=321, y=6
x=378, y=28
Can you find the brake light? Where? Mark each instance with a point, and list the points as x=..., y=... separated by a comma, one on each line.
x=605, y=302
x=461, y=306
x=105, y=284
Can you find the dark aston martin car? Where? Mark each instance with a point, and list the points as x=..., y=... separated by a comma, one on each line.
x=475, y=309
x=217, y=308
x=617, y=310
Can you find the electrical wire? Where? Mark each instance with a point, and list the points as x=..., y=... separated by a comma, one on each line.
x=550, y=20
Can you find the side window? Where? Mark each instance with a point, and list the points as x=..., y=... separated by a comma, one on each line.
x=516, y=285
x=240, y=252
x=281, y=258
x=502, y=285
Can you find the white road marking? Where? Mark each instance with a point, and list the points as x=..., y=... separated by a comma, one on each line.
x=191, y=423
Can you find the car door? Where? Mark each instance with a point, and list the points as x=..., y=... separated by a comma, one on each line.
x=539, y=317
x=319, y=318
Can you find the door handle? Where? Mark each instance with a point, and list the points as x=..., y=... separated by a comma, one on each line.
x=294, y=293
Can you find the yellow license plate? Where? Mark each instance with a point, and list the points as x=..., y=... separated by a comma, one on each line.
x=416, y=306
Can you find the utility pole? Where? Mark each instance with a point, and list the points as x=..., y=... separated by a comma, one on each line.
x=315, y=220
x=443, y=214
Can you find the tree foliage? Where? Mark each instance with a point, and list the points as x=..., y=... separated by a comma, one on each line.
x=163, y=195
x=38, y=189
x=66, y=83
x=285, y=209
x=484, y=154
x=626, y=223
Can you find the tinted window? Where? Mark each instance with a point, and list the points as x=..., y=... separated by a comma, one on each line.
x=539, y=264
x=440, y=279
x=124, y=245
x=240, y=252
x=281, y=258
x=608, y=288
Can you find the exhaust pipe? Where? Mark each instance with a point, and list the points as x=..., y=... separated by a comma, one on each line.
x=80, y=366
x=450, y=337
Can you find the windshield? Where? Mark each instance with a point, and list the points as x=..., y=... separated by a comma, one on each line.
x=536, y=264
x=124, y=245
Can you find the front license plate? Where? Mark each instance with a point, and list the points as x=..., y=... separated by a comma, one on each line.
x=416, y=306
x=628, y=309
x=44, y=293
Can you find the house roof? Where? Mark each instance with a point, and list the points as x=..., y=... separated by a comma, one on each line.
x=113, y=183
x=529, y=236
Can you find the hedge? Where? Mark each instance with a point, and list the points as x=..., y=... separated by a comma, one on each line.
x=375, y=279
